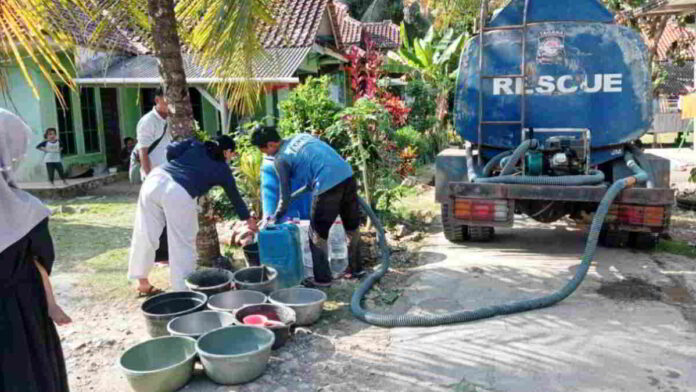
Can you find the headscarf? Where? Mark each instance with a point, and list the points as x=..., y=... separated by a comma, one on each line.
x=19, y=211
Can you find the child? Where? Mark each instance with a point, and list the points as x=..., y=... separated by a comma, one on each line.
x=51, y=148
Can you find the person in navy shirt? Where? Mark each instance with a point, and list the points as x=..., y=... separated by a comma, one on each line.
x=308, y=160
x=169, y=192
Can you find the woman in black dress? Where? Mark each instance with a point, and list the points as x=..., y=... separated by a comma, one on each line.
x=31, y=359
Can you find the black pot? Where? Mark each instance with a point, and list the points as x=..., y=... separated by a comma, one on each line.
x=251, y=254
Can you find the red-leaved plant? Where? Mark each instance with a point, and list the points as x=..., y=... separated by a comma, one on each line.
x=365, y=71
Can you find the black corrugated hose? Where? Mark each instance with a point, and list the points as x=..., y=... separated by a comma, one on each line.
x=403, y=320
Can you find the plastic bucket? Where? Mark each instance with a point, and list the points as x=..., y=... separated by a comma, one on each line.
x=251, y=254
x=162, y=308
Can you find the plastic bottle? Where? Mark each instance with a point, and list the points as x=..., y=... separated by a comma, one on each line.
x=338, y=248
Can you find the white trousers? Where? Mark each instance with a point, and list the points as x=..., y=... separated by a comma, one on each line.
x=162, y=200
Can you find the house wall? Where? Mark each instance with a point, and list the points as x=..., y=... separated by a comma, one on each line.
x=20, y=100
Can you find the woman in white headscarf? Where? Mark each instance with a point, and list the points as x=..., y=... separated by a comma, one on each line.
x=31, y=358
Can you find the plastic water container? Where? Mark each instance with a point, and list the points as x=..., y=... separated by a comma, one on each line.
x=300, y=207
x=338, y=248
x=306, y=250
x=280, y=248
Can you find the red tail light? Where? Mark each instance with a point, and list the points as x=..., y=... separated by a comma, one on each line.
x=481, y=210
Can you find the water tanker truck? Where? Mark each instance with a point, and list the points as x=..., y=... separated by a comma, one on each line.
x=554, y=96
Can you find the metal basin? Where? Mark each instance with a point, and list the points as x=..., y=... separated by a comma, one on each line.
x=159, y=365
x=196, y=324
x=236, y=354
x=307, y=303
x=280, y=313
x=210, y=281
x=162, y=308
x=231, y=301
x=255, y=278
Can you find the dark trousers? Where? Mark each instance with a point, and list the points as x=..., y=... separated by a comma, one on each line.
x=340, y=200
x=52, y=167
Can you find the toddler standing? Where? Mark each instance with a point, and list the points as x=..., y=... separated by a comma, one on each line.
x=51, y=148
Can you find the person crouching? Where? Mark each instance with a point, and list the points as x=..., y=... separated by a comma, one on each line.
x=308, y=160
x=168, y=195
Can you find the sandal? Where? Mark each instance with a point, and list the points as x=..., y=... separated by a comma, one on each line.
x=149, y=292
x=311, y=284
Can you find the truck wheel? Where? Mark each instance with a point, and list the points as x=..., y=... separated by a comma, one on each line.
x=644, y=241
x=614, y=238
x=453, y=232
x=481, y=234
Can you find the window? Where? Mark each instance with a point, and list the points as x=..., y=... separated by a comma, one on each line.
x=66, y=131
x=90, y=130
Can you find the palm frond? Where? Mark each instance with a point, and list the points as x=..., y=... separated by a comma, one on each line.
x=30, y=38
x=224, y=38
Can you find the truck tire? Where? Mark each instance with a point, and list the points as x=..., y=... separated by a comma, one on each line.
x=453, y=232
x=614, y=238
x=481, y=234
x=644, y=241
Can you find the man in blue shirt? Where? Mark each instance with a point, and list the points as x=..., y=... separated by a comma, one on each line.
x=306, y=159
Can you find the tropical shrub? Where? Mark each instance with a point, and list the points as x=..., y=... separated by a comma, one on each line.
x=422, y=105
x=308, y=108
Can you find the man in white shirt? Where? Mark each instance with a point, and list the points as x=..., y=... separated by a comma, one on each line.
x=152, y=127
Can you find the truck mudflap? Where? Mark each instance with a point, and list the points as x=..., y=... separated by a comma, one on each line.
x=639, y=196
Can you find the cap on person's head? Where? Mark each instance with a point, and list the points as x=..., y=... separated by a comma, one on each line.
x=261, y=136
x=226, y=143
x=159, y=92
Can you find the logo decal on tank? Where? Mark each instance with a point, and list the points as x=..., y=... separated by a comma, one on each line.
x=551, y=48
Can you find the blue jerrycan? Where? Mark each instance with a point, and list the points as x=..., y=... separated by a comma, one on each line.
x=280, y=247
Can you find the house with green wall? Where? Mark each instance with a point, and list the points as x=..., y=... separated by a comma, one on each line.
x=115, y=88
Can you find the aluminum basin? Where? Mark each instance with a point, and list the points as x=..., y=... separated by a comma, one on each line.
x=196, y=324
x=159, y=365
x=251, y=279
x=307, y=303
x=210, y=281
x=274, y=312
x=162, y=308
x=231, y=301
x=236, y=354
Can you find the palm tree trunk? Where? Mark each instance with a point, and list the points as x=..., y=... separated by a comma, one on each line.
x=168, y=50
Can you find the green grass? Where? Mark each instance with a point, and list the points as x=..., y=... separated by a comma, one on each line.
x=94, y=244
x=677, y=248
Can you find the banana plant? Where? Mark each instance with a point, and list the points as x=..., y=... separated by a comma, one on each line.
x=430, y=59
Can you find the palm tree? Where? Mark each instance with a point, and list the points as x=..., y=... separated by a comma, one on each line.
x=223, y=35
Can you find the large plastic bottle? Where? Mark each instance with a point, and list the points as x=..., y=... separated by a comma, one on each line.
x=338, y=248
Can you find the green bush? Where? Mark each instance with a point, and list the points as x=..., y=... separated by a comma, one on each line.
x=422, y=104
x=308, y=108
x=408, y=136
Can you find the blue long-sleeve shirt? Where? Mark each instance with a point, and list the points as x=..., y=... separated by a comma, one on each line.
x=192, y=168
x=307, y=160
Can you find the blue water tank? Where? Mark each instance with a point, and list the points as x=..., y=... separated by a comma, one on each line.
x=300, y=207
x=280, y=247
x=583, y=71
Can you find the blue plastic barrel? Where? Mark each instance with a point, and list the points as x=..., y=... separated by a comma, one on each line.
x=280, y=248
x=300, y=207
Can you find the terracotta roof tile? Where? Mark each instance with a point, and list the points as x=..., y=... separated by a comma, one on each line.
x=672, y=34
x=297, y=23
x=350, y=31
